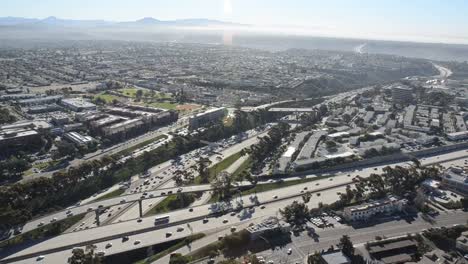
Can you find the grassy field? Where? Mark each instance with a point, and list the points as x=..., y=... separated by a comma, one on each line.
x=272, y=186
x=112, y=194
x=131, y=92
x=137, y=146
x=181, y=243
x=164, y=105
x=172, y=202
x=245, y=166
x=107, y=97
x=218, y=167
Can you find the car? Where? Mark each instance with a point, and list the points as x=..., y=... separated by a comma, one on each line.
x=125, y=238
x=41, y=257
x=262, y=207
x=163, y=193
x=151, y=195
x=205, y=220
x=100, y=206
x=233, y=213
x=275, y=197
x=305, y=188
x=179, y=190
x=100, y=253
x=225, y=220
x=137, y=242
x=289, y=251
x=123, y=201
x=190, y=209
x=40, y=224
x=69, y=212
x=90, y=209
x=168, y=234
x=53, y=219
x=139, y=220
x=233, y=228
x=108, y=245
x=180, y=229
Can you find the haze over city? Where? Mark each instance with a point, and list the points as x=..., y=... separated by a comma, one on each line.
x=390, y=20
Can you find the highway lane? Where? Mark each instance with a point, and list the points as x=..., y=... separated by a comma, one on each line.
x=443, y=71
x=363, y=172
x=160, y=174
x=140, y=228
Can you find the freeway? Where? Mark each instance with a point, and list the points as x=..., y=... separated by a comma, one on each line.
x=444, y=72
x=160, y=179
x=148, y=234
x=328, y=187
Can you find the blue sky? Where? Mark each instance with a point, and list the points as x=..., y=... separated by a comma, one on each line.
x=431, y=20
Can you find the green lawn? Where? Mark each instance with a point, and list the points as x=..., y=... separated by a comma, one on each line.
x=220, y=166
x=131, y=92
x=165, y=105
x=172, y=248
x=245, y=166
x=172, y=202
x=107, y=97
x=271, y=186
x=112, y=194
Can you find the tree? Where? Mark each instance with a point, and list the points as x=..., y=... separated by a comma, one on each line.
x=64, y=149
x=139, y=94
x=306, y=197
x=178, y=259
x=5, y=116
x=314, y=258
x=86, y=256
x=202, y=168
x=295, y=213
x=222, y=185
x=346, y=246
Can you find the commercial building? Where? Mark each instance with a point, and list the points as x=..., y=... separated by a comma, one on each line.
x=78, y=104
x=17, y=137
x=207, y=117
x=457, y=135
x=268, y=225
x=402, y=95
x=365, y=211
x=334, y=257
x=455, y=179
x=78, y=139
x=40, y=100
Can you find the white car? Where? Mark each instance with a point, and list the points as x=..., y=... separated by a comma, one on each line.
x=289, y=251
x=41, y=257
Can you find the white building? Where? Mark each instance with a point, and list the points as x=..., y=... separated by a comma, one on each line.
x=78, y=104
x=78, y=139
x=455, y=179
x=365, y=211
x=457, y=135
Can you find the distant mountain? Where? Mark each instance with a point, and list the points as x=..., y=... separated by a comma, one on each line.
x=9, y=21
x=147, y=21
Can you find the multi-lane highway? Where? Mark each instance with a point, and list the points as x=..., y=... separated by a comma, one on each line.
x=148, y=234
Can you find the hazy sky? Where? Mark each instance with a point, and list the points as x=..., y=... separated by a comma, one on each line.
x=423, y=20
